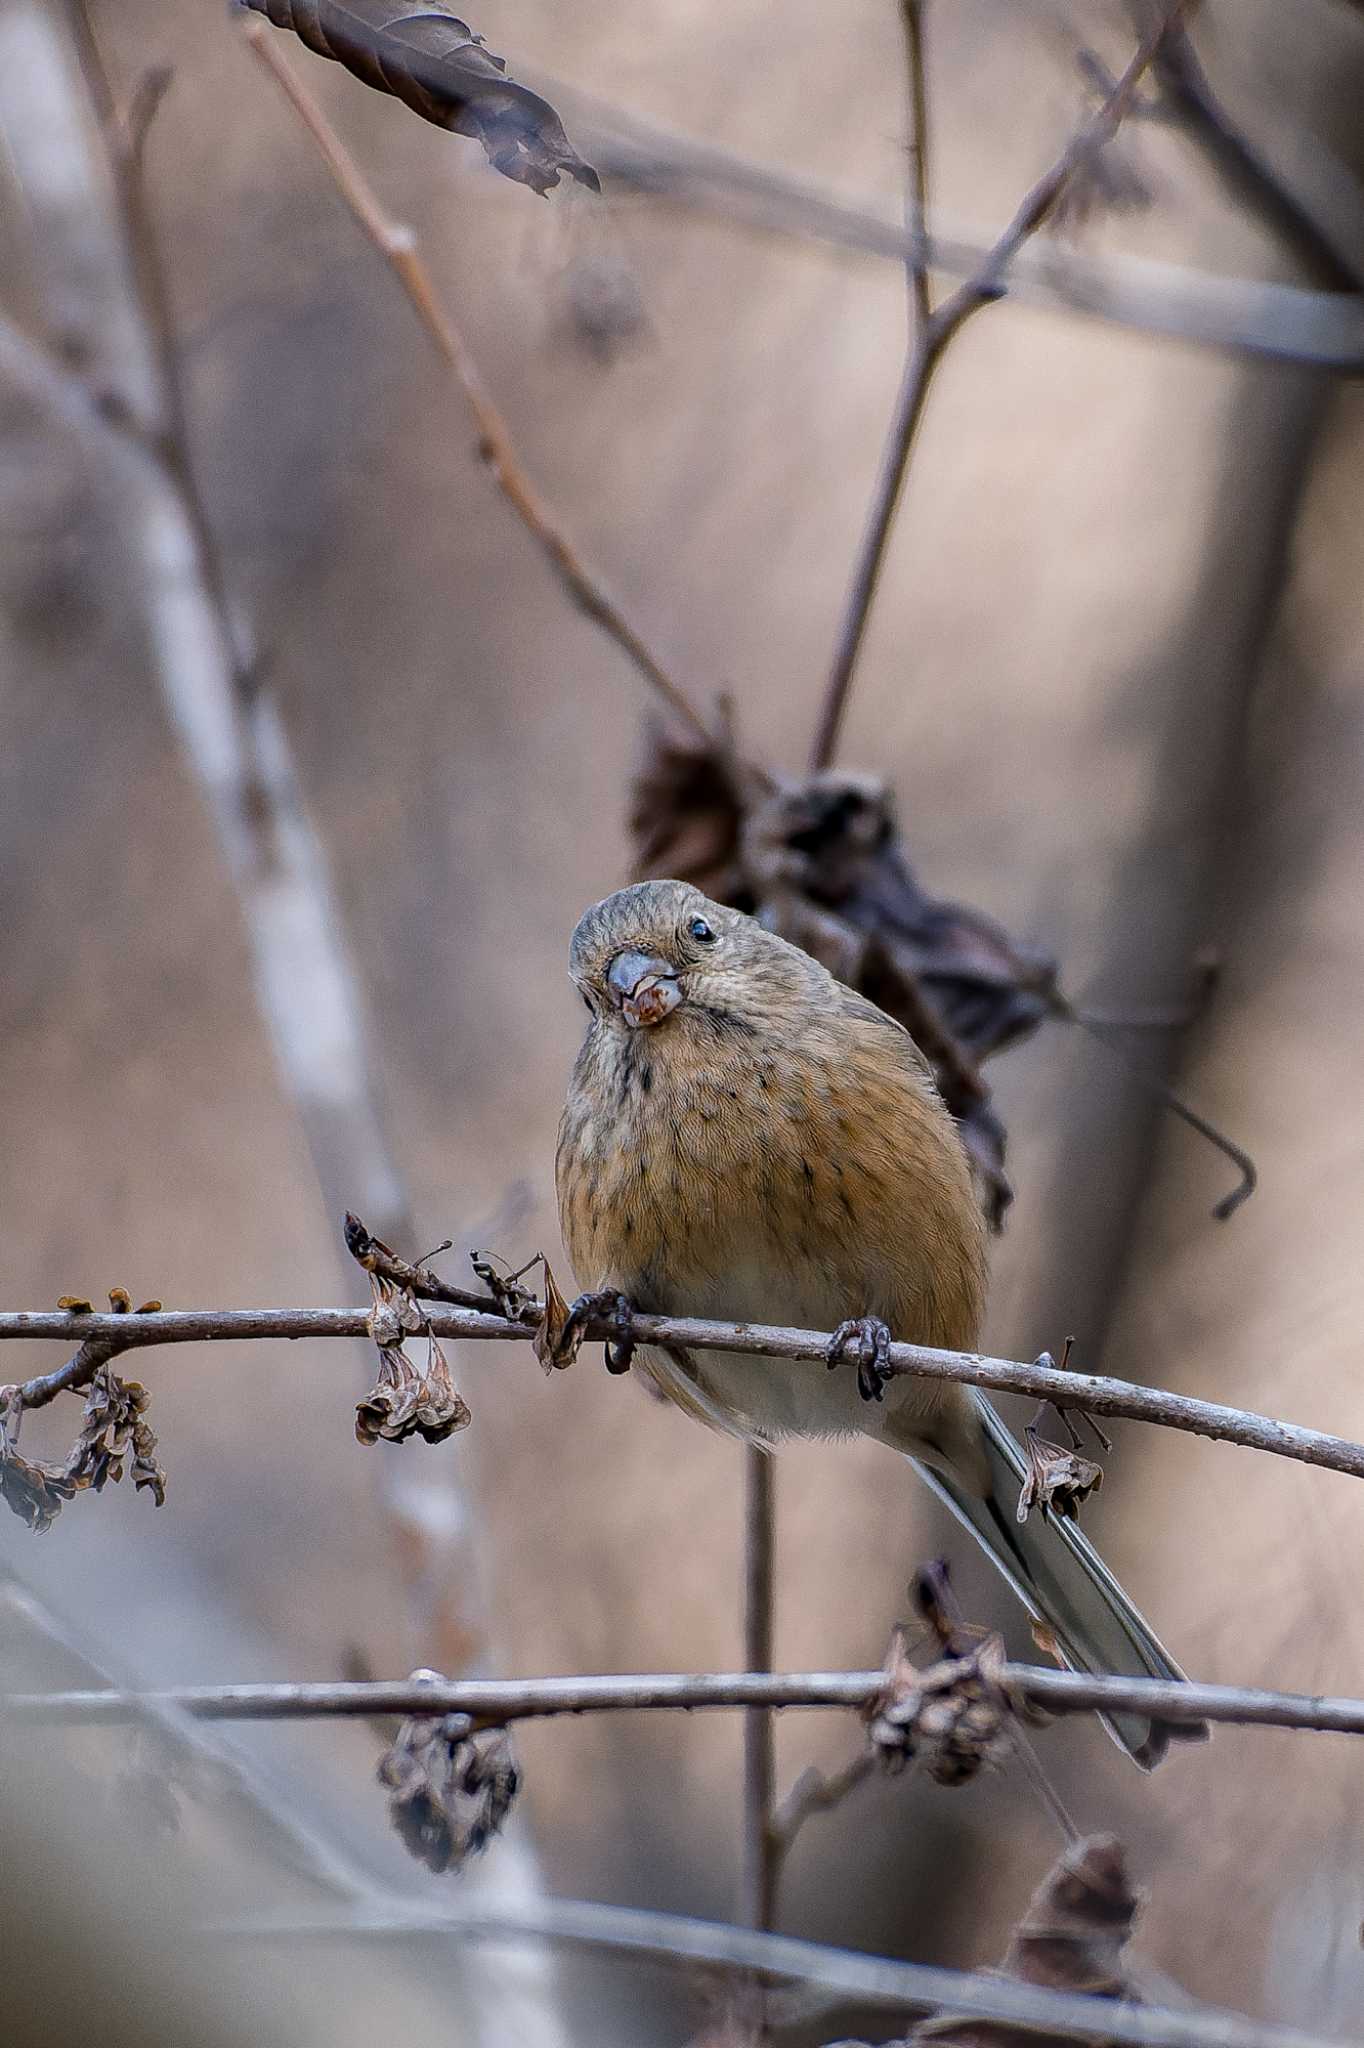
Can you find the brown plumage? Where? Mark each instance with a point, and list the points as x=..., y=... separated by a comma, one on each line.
x=745, y=1138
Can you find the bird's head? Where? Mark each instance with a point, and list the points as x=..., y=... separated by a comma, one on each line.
x=662, y=949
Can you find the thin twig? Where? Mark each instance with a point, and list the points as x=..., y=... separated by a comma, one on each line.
x=420, y=1279
x=495, y=1703
x=1109, y=1035
x=917, y=1987
x=930, y=341
x=815, y=1791
x=398, y=245
x=759, y=1862
x=1329, y=249
x=916, y=190
x=1097, y=1395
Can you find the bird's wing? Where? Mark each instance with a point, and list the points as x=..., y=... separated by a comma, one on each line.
x=865, y=1017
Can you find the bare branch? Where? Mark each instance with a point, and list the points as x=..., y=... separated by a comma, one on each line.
x=916, y=197
x=398, y=245
x=1328, y=246
x=932, y=338
x=917, y=1987
x=816, y=1792
x=1283, y=322
x=497, y=1702
x=759, y=1862
x=1094, y=1393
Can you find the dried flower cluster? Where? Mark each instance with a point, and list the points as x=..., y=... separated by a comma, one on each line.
x=114, y=1433
x=452, y=1785
x=403, y=1402
x=953, y=1717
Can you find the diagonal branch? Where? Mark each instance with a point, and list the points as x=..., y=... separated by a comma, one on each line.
x=1095, y=1394
x=929, y=342
x=398, y=246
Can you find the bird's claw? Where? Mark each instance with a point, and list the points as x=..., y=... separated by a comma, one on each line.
x=607, y=1303
x=871, y=1339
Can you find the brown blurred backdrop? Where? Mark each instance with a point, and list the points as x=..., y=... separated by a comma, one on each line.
x=1114, y=674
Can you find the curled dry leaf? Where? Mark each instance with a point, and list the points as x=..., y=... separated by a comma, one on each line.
x=1057, y=1478
x=554, y=1344
x=404, y=1402
x=821, y=861
x=434, y=62
x=1072, y=1938
x=36, y=1492
x=452, y=1785
x=953, y=1717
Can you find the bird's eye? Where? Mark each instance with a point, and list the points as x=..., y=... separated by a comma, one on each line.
x=701, y=932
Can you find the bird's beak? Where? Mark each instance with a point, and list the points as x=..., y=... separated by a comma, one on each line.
x=643, y=987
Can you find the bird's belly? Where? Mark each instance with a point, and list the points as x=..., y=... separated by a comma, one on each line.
x=776, y=1397
x=762, y=1397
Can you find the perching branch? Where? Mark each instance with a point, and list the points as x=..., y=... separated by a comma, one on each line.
x=928, y=343
x=495, y=1703
x=1094, y=1393
x=398, y=245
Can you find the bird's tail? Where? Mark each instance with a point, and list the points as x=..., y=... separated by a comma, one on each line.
x=1064, y=1583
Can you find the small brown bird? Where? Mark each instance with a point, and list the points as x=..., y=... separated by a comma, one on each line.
x=747, y=1139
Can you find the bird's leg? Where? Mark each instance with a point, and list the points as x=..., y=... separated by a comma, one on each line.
x=607, y=1303
x=872, y=1340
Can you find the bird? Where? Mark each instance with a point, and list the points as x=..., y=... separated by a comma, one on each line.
x=747, y=1139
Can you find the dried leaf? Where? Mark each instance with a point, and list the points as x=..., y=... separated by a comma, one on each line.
x=36, y=1492
x=548, y=1343
x=954, y=1717
x=688, y=801
x=1057, y=1478
x=435, y=63
x=1071, y=1938
x=452, y=1786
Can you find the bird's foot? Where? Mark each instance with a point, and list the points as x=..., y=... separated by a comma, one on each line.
x=608, y=1304
x=867, y=1339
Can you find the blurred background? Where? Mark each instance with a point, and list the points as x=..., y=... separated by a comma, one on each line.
x=1113, y=676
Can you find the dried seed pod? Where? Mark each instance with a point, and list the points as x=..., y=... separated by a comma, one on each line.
x=954, y=1717
x=404, y=1402
x=452, y=1785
